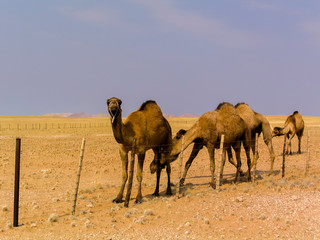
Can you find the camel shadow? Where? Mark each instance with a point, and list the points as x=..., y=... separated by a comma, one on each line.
x=292, y=154
x=228, y=179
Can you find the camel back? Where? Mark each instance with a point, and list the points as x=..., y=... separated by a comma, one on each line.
x=248, y=115
x=232, y=125
x=296, y=119
x=148, y=126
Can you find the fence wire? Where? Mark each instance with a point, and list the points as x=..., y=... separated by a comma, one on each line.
x=49, y=166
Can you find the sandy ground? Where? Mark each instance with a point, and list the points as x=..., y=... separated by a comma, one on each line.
x=269, y=208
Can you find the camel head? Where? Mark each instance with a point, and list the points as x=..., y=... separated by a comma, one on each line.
x=277, y=131
x=114, y=108
x=179, y=134
x=168, y=158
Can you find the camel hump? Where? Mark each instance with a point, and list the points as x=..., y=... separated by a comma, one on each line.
x=295, y=112
x=223, y=104
x=244, y=108
x=146, y=104
x=240, y=103
x=150, y=107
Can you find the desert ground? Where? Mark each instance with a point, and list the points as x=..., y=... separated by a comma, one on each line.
x=271, y=207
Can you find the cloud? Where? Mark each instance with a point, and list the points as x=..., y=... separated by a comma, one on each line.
x=218, y=31
x=312, y=28
x=262, y=5
x=94, y=15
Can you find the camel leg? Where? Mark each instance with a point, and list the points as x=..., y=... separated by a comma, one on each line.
x=212, y=166
x=195, y=150
x=231, y=160
x=289, y=151
x=223, y=162
x=238, y=157
x=169, y=191
x=253, y=148
x=158, y=170
x=139, y=176
x=299, y=143
x=124, y=161
x=228, y=150
x=288, y=146
x=247, y=150
x=272, y=156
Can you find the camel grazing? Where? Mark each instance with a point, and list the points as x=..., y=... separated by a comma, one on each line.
x=294, y=125
x=257, y=123
x=150, y=130
x=207, y=132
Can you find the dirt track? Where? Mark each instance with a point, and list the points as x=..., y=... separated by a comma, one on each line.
x=270, y=208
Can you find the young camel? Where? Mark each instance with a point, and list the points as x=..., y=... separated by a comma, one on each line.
x=207, y=132
x=294, y=125
x=257, y=123
x=150, y=130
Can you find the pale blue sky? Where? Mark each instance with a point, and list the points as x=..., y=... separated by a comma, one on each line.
x=70, y=56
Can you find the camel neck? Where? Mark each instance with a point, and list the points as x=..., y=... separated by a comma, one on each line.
x=117, y=128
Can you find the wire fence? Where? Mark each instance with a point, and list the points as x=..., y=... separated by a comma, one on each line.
x=49, y=166
x=50, y=126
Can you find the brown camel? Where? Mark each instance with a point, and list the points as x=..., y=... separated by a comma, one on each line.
x=294, y=125
x=150, y=130
x=207, y=132
x=257, y=123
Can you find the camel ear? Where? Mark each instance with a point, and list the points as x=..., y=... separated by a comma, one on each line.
x=120, y=102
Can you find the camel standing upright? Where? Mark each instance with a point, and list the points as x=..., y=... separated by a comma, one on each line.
x=257, y=123
x=207, y=131
x=294, y=125
x=150, y=130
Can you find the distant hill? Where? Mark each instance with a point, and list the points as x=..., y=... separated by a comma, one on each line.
x=57, y=114
x=102, y=115
x=79, y=114
x=185, y=115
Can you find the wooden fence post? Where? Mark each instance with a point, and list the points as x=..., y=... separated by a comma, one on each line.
x=255, y=156
x=16, y=184
x=308, y=155
x=180, y=167
x=131, y=171
x=284, y=156
x=221, y=163
x=78, y=176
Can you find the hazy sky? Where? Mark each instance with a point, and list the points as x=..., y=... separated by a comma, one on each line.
x=71, y=55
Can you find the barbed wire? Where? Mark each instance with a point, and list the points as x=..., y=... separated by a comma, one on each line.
x=49, y=126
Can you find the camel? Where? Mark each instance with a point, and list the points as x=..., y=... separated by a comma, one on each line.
x=257, y=123
x=207, y=132
x=294, y=125
x=150, y=130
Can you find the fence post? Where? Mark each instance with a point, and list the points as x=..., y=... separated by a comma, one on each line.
x=78, y=176
x=221, y=163
x=284, y=156
x=131, y=169
x=16, y=184
x=255, y=156
x=308, y=155
x=180, y=166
